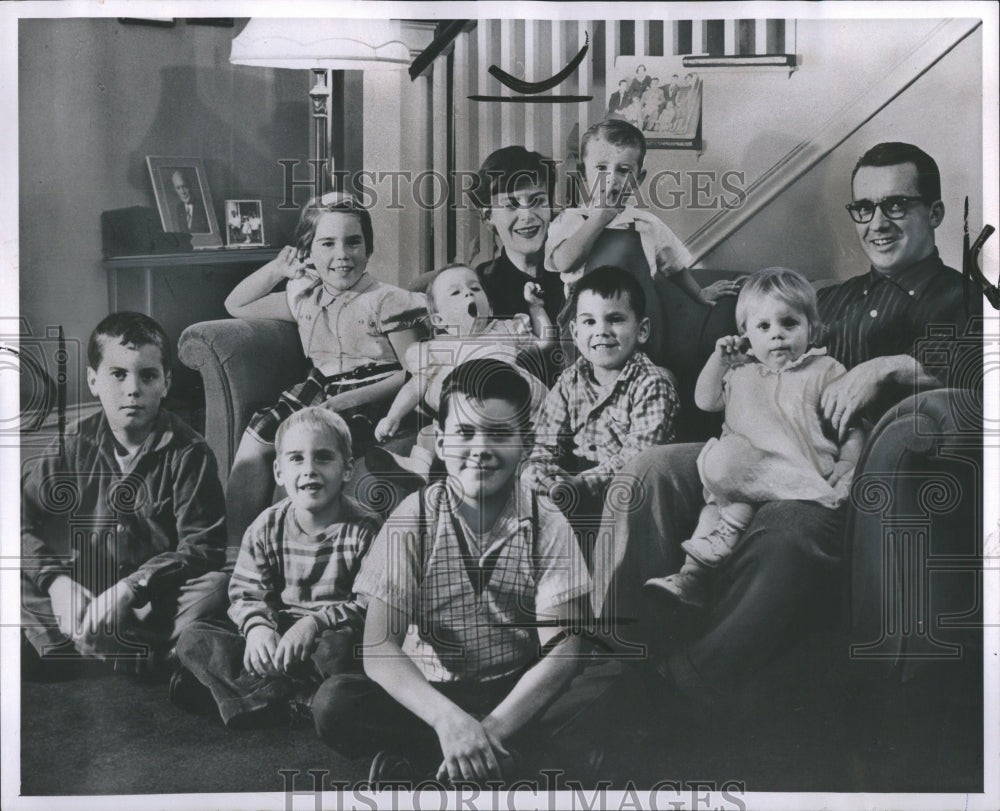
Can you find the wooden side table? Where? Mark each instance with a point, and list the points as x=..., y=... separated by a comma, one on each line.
x=180, y=289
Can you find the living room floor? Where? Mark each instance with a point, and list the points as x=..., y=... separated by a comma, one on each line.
x=807, y=730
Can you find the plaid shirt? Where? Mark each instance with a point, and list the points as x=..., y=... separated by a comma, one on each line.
x=605, y=425
x=283, y=570
x=457, y=632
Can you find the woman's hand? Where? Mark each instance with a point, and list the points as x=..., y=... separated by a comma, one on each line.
x=722, y=288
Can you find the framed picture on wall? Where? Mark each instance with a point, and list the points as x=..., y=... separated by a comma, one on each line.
x=661, y=97
x=244, y=224
x=183, y=199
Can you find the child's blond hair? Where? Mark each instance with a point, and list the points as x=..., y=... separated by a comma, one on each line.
x=318, y=419
x=787, y=285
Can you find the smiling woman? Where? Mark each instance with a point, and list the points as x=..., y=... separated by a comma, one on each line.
x=514, y=194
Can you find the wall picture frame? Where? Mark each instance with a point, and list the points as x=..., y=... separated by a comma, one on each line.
x=659, y=96
x=244, y=224
x=184, y=200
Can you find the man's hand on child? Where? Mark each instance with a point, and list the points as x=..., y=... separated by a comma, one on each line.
x=467, y=749
x=733, y=350
x=258, y=657
x=533, y=294
x=387, y=427
x=297, y=644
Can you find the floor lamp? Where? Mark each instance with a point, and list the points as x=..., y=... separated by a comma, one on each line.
x=321, y=45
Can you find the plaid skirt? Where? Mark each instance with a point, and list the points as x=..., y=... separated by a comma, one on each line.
x=314, y=391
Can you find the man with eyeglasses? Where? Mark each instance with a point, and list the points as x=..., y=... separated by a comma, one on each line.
x=789, y=560
x=875, y=320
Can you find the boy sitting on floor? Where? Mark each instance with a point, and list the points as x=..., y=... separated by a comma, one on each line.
x=471, y=585
x=295, y=618
x=612, y=403
x=123, y=530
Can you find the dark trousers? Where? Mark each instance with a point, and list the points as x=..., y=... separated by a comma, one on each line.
x=785, y=569
x=355, y=716
x=213, y=651
x=157, y=625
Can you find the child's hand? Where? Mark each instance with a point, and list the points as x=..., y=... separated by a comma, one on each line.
x=259, y=655
x=841, y=470
x=733, y=350
x=387, y=427
x=296, y=644
x=288, y=264
x=69, y=603
x=105, y=613
x=533, y=294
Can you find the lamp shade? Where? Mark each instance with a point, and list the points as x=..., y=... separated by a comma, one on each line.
x=333, y=44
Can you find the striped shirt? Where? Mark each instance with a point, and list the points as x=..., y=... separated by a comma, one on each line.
x=918, y=312
x=281, y=569
x=605, y=425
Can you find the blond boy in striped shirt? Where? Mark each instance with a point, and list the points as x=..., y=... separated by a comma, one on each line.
x=294, y=617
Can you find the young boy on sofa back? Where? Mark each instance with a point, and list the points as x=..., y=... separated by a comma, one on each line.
x=611, y=230
x=123, y=530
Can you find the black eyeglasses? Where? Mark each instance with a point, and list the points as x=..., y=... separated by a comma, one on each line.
x=895, y=207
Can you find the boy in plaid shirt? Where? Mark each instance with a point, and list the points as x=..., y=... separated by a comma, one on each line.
x=612, y=403
x=294, y=615
x=472, y=586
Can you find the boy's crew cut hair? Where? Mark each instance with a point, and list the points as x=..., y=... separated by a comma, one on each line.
x=331, y=203
x=608, y=281
x=133, y=329
x=616, y=132
x=318, y=419
x=508, y=169
x=487, y=378
x=788, y=286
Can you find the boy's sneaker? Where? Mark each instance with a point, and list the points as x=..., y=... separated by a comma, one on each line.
x=190, y=695
x=685, y=587
x=712, y=549
x=389, y=770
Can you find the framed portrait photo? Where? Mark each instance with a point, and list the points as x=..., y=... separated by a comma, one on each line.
x=659, y=96
x=184, y=200
x=244, y=224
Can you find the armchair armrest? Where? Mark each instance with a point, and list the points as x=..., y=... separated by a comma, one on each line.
x=914, y=540
x=245, y=365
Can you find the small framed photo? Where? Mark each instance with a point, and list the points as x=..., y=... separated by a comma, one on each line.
x=244, y=224
x=183, y=199
x=659, y=96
